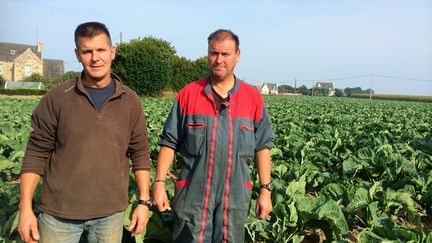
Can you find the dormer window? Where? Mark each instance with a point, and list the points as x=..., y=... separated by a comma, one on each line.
x=12, y=52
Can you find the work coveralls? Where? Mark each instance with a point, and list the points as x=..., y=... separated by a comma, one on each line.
x=217, y=144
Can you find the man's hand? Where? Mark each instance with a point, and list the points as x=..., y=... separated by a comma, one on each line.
x=264, y=204
x=160, y=198
x=28, y=226
x=140, y=218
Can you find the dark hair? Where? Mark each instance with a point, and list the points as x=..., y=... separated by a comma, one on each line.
x=222, y=34
x=90, y=30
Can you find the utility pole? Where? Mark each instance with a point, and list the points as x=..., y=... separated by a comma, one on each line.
x=313, y=86
x=295, y=85
x=370, y=87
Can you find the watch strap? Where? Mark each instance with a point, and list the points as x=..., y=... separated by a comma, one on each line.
x=147, y=202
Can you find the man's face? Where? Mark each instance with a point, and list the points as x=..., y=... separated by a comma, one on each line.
x=96, y=55
x=222, y=58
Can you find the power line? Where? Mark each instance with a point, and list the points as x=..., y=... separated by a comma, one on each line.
x=404, y=78
x=332, y=79
x=347, y=78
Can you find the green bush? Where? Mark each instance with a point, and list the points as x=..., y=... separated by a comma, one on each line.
x=67, y=76
x=145, y=65
x=35, y=77
x=186, y=71
x=22, y=91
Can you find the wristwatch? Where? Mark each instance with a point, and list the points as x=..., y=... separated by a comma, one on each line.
x=147, y=202
x=268, y=186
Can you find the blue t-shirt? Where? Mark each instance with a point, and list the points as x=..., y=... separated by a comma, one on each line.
x=100, y=95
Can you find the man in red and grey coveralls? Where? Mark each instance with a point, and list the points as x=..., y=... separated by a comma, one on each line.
x=219, y=125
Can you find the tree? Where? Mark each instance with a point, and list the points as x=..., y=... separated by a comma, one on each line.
x=285, y=89
x=356, y=90
x=200, y=68
x=320, y=91
x=304, y=90
x=182, y=68
x=145, y=65
x=339, y=93
x=67, y=76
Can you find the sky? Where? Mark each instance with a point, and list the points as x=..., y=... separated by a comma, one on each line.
x=385, y=45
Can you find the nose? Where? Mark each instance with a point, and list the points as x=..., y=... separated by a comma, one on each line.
x=219, y=58
x=95, y=56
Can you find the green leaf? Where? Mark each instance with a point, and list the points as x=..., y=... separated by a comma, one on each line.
x=6, y=164
x=334, y=191
x=128, y=215
x=139, y=238
x=361, y=200
x=332, y=213
x=350, y=167
x=18, y=154
x=296, y=189
x=370, y=237
x=11, y=224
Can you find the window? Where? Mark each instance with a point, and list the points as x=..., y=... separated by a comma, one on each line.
x=28, y=69
x=1, y=69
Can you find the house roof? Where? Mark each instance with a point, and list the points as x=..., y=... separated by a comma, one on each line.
x=6, y=50
x=271, y=86
x=327, y=85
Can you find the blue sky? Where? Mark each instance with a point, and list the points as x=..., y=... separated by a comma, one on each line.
x=383, y=44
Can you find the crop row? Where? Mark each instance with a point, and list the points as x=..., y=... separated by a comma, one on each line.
x=343, y=169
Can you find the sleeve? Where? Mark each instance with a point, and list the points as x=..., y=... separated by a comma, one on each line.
x=264, y=134
x=138, y=149
x=172, y=130
x=41, y=141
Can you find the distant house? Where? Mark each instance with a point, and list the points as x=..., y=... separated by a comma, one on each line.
x=52, y=68
x=18, y=61
x=326, y=85
x=269, y=88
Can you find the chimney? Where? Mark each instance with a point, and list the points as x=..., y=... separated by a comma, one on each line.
x=39, y=47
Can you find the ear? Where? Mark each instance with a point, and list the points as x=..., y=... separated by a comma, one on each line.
x=113, y=51
x=77, y=55
x=237, y=54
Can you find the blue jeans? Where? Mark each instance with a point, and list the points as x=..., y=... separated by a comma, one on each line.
x=107, y=229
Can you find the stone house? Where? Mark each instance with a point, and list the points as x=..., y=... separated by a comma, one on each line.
x=18, y=61
x=269, y=88
x=326, y=85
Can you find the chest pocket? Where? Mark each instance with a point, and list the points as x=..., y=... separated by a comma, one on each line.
x=195, y=135
x=247, y=141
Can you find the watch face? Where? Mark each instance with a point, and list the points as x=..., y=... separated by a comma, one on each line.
x=268, y=186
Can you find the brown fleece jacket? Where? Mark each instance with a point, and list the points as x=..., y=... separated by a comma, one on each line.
x=83, y=155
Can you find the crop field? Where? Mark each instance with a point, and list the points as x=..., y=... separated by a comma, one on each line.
x=344, y=170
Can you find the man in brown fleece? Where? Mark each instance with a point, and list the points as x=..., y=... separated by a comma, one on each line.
x=85, y=130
